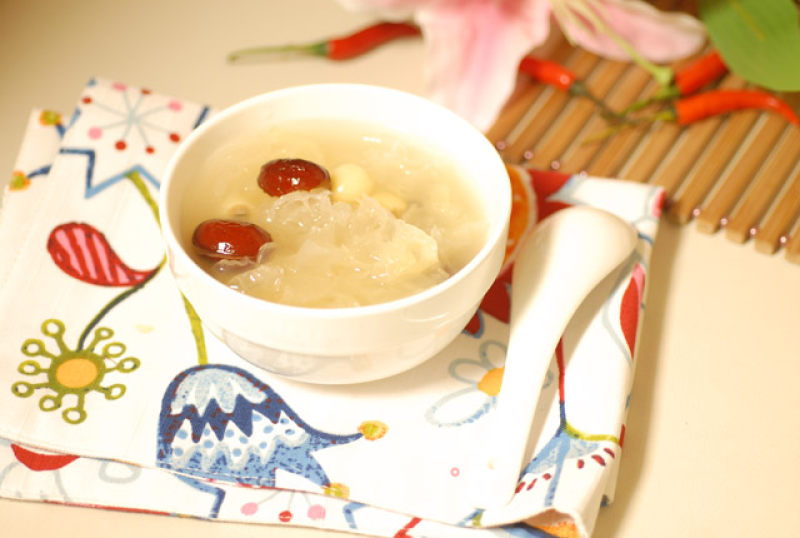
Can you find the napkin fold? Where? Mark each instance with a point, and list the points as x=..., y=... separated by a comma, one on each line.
x=117, y=397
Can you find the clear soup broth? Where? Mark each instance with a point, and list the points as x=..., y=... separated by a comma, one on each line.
x=394, y=220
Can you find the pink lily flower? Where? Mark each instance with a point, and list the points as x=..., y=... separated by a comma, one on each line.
x=474, y=46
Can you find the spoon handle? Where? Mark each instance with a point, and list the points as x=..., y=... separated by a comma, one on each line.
x=567, y=255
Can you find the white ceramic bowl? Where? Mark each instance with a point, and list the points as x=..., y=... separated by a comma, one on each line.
x=341, y=345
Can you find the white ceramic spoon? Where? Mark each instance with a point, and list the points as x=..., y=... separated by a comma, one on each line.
x=565, y=257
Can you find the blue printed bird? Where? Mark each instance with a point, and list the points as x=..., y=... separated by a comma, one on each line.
x=220, y=423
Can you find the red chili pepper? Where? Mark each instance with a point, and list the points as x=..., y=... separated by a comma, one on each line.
x=548, y=72
x=700, y=106
x=562, y=78
x=704, y=105
x=369, y=38
x=702, y=71
x=687, y=81
x=344, y=47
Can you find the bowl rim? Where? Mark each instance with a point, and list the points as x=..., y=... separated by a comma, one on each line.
x=495, y=232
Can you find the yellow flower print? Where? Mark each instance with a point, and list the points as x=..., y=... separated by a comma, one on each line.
x=72, y=372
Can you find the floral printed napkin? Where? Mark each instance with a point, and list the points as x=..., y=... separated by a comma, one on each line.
x=117, y=397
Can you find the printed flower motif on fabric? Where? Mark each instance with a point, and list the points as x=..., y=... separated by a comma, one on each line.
x=51, y=118
x=221, y=423
x=73, y=372
x=84, y=253
x=313, y=511
x=568, y=443
x=22, y=180
x=132, y=121
x=130, y=111
x=483, y=378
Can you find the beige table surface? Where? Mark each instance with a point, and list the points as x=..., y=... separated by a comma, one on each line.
x=713, y=438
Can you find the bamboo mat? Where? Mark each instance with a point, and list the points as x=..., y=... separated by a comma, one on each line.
x=736, y=175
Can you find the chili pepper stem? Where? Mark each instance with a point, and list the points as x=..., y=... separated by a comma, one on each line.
x=312, y=49
x=665, y=93
x=629, y=123
x=664, y=115
x=348, y=46
x=578, y=89
x=606, y=133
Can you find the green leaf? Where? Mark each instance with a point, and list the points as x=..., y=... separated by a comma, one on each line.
x=758, y=39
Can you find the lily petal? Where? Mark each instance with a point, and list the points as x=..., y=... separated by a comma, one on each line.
x=474, y=49
x=657, y=35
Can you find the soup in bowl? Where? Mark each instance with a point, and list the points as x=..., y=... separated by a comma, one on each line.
x=335, y=233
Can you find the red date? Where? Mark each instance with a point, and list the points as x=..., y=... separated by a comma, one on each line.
x=229, y=239
x=282, y=176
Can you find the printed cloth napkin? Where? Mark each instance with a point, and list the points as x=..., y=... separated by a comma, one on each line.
x=115, y=396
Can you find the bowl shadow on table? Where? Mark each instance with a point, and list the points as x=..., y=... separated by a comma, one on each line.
x=611, y=520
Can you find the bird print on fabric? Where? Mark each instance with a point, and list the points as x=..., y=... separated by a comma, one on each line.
x=221, y=423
